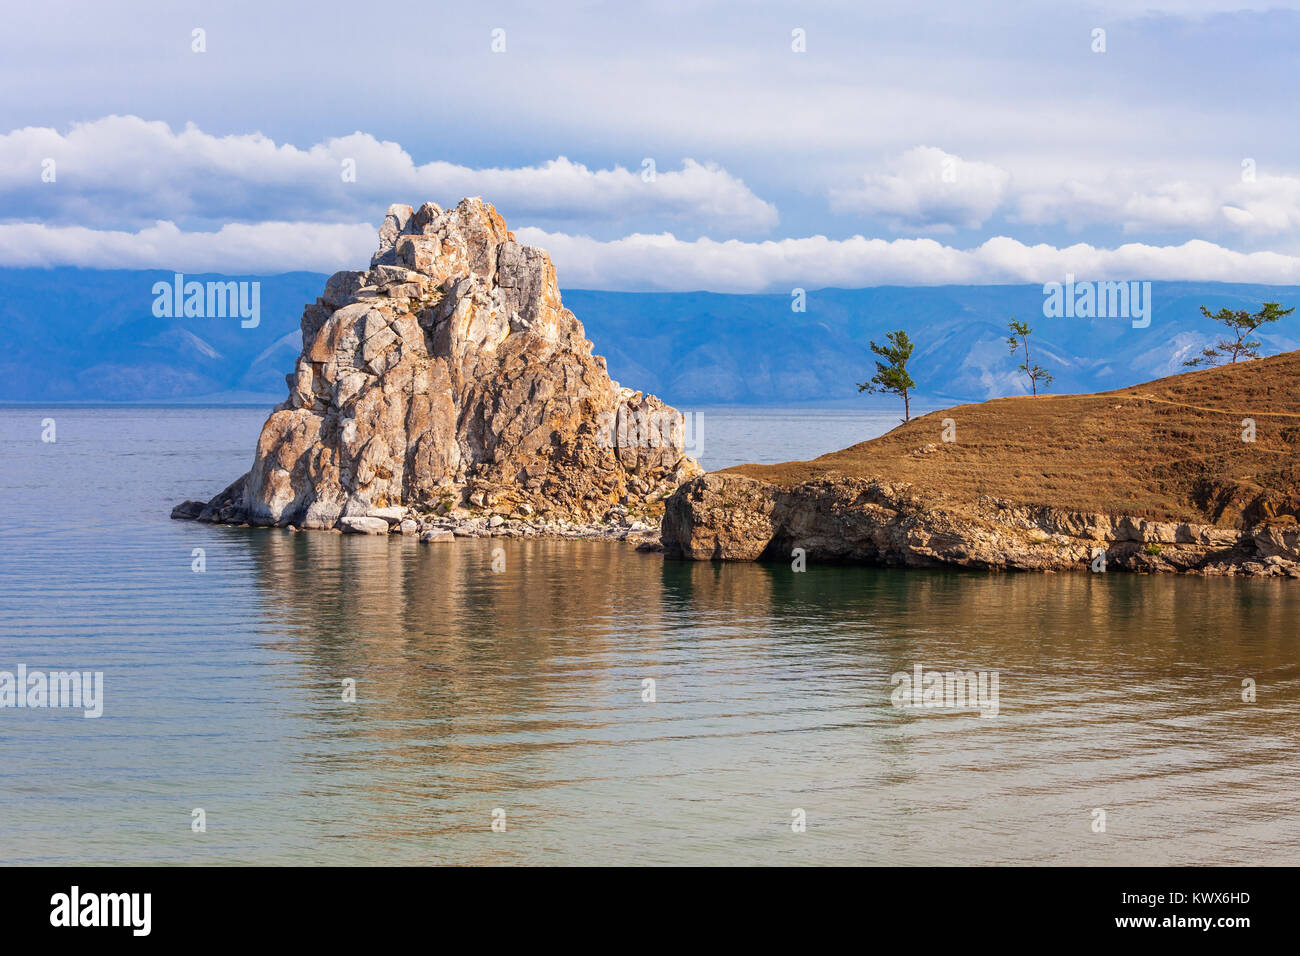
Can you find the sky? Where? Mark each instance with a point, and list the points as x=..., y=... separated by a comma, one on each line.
x=736, y=147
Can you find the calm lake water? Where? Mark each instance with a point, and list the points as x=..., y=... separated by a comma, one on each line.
x=522, y=690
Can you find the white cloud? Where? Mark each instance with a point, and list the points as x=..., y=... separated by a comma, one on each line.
x=927, y=190
x=123, y=171
x=1271, y=205
x=1267, y=207
x=263, y=248
x=651, y=262
x=662, y=262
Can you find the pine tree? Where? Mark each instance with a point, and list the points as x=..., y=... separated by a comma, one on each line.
x=892, y=378
x=1241, y=324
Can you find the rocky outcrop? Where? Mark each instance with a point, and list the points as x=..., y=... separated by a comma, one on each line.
x=870, y=521
x=449, y=379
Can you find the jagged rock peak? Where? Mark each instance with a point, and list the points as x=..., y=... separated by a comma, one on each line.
x=450, y=376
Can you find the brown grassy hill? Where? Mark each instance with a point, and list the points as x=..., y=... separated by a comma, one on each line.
x=1171, y=449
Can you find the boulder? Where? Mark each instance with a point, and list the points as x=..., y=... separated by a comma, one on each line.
x=188, y=510
x=364, y=525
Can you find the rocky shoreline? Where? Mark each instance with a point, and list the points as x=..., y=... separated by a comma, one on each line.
x=617, y=525
x=1194, y=473
x=731, y=517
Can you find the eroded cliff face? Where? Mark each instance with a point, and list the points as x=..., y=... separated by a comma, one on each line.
x=869, y=521
x=449, y=375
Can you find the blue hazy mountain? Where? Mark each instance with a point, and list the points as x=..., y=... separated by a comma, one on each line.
x=91, y=336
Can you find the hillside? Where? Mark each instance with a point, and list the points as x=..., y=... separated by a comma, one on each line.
x=1170, y=449
x=90, y=335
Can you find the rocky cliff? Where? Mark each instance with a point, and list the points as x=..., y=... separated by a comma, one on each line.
x=852, y=520
x=1195, y=473
x=448, y=378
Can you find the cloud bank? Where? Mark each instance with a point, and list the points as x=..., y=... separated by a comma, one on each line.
x=123, y=192
x=929, y=190
x=662, y=262
x=124, y=171
x=645, y=262
x=263, y=248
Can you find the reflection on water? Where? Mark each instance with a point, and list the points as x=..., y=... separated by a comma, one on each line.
x=523, y=690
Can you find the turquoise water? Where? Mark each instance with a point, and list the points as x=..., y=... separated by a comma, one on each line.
x=522, y=690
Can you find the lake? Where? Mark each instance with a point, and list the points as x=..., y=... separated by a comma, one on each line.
x=524, y=691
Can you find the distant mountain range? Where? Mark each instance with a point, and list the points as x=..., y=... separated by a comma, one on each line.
x=80, y=335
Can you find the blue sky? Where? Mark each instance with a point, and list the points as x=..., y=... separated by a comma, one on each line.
x=915, y=143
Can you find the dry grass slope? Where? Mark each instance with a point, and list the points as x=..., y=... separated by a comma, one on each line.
x=1171, y=449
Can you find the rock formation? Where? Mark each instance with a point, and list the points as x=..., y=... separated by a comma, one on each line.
x=449, y=378
x=731, y=517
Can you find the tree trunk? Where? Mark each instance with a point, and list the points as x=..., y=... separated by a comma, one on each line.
x=907, y=408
